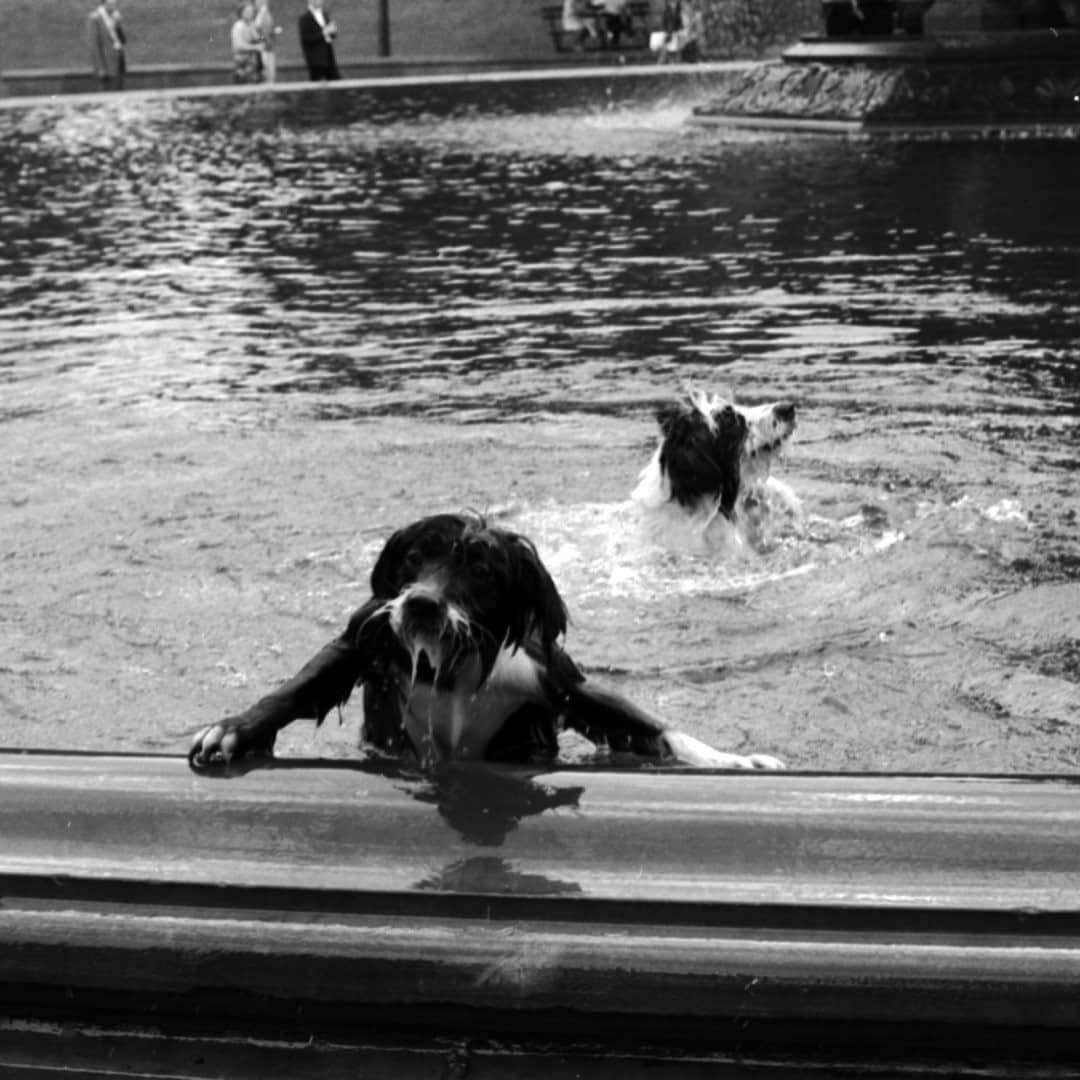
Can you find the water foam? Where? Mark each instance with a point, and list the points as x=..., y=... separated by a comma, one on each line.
x=598, y=551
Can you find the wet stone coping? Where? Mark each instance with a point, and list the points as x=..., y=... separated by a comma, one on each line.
x=346, y=911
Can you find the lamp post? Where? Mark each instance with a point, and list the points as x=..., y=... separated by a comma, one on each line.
x=384, y=27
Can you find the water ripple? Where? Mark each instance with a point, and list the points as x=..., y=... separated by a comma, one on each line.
x=383, y=274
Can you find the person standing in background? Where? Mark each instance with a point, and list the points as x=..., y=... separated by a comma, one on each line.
x=246, y=48
x=693, y=31
x=616, y=21
x=670, y=38
x=268, y=32
x=577, y=19
x=105, y=39
x=317, y=33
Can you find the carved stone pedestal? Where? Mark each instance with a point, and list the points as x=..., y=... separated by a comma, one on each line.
x=979, y=82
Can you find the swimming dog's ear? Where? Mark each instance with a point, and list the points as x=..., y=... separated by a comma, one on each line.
x=730, y=426
x=729, y=434
x=538, y=607
x=700, y=455
x=668, y=416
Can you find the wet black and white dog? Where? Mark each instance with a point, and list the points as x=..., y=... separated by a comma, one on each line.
x=711, y=473
x=459, y=656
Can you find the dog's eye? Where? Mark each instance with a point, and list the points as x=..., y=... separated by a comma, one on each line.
x=433, y=547
x=478, y=563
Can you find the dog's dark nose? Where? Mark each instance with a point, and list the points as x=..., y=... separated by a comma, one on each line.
x=785, y=412
x=423, y=606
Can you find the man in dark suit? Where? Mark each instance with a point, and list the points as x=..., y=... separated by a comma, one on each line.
x=317, y=33
x=105, y=39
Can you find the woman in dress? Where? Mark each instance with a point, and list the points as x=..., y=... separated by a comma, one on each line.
x=246, y=48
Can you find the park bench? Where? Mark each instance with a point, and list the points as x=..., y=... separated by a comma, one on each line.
x=635, y=38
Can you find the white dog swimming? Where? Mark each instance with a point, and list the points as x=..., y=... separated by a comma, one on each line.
x=709, y=484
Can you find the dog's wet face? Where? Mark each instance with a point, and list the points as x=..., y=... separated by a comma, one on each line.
x=433, y=631
x=458, y=590
x=768, y=427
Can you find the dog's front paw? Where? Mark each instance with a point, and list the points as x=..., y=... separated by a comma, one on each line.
x=765, y=761
x=691, y=751
x=229, y=740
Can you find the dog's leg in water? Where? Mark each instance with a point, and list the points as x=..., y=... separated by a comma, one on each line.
x=605, y=716
x=326, y=680
x=791, y=502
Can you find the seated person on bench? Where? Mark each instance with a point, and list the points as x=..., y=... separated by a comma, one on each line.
x=578, y=19
x=615, y=19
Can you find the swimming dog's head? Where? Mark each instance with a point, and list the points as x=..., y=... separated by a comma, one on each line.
x=712, y=452
x=457, y=591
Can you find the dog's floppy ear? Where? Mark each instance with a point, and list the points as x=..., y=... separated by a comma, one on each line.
x=538, y=607
x=728, y=437
x=700, y=454
x=667, y=416
x=384, y=574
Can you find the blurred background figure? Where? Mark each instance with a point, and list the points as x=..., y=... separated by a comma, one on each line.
x=616, y=14
x=105, y=39
x=317, y=33
x=579, y=20
x=246, y=48
x=267, y=31
x=667, y=42
x=693, y=16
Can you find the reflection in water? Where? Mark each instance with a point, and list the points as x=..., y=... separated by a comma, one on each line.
x=487, y=874
x=547, y=273
x=483, y=803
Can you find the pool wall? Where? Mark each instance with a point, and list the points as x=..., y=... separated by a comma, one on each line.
x=557, y=924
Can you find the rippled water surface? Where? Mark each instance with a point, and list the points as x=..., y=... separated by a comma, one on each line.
x=241, y=338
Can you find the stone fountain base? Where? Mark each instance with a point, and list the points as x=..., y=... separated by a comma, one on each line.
x=982, y=82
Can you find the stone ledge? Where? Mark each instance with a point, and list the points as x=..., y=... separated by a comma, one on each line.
x=26, y=82
x=939, y=95
x=1002, y=46
x=774, y=924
